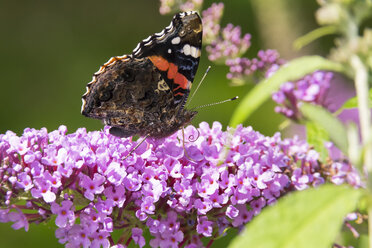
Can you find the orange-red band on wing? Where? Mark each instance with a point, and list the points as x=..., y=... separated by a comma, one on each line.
x=163, y=65
x=160, y=63
x=172, y=71
x=181, y=80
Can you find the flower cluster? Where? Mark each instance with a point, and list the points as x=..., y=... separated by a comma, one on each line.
x=171, y=6
x=211, y=22
x=229, y=45
x=179, y=192
x=263, y=65
x=313, y=88
x=226, y=43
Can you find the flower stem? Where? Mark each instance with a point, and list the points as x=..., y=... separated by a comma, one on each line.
x=210, y=243
x=361, y=85
x=370, y=226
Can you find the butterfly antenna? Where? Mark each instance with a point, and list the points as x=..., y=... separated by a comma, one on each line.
x=134, y=148
x=215, y=103
x=201, y=81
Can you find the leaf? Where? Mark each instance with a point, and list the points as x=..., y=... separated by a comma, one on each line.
x=306, y=219
x=313, y=35
x=317, y=136
x=295, y=69
x=353, y=102
x=334, y=127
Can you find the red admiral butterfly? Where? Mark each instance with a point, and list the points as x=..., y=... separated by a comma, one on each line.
x=144, y=93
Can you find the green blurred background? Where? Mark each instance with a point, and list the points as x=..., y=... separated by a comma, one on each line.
x=50, y=49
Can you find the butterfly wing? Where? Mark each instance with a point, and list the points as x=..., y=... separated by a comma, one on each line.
x=175, y=52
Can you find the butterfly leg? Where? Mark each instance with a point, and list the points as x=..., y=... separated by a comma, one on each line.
x=133, y=149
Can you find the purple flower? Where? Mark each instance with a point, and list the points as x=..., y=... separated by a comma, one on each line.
x=243, y=217
x=147, y=205
x=100, y=239
x=155, y=226
x=300, y=181
x=244, y=69
x=228, y=45
x=92, y=186
x=171, y=223
x=78, y=235
x=204, y=226
x=313, y=88
x=257, y=205
x=203, y=206
x=141, y=215
x=172, y=240
x=232, y=212
x=211, y=22
x=137, y=237
x=116, y=194
x=115, y=173
x=55, y=179
x=25, y=181
x=19, y=219
x=65, y=215
x=18, y=145
x=342, y=172
x=43, y=189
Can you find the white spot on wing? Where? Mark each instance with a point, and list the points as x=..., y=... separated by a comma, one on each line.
x=194, y=51
x=199, y=52
x=169, y=50
x=176, y=40
x=187, y=49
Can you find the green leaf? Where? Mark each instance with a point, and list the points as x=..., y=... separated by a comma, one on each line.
x=306, y=219
x=353, y=102
x=317, y=136
x=313, y=35
x=334, y=127
x=295, y=69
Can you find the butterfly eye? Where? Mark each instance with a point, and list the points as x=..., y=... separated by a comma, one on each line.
x=128, y=75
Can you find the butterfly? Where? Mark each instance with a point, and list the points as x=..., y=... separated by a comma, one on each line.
x=145, y=93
